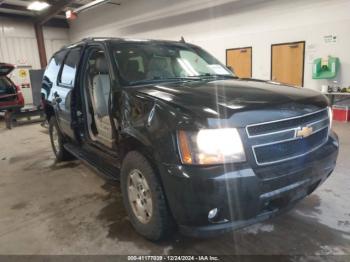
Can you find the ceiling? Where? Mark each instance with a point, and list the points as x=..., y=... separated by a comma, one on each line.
x=53, y=16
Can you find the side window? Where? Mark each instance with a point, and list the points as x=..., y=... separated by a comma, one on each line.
x=69, y=69
x=53, y=69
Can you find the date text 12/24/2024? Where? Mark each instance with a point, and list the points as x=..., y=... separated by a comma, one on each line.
x=173, y=258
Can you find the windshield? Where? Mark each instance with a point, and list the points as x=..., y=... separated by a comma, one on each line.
x=152, y=62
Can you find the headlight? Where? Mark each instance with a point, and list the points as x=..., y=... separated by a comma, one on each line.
x=330, y=115
x=210, y=146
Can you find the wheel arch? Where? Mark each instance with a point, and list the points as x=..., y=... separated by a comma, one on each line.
x=131, y=142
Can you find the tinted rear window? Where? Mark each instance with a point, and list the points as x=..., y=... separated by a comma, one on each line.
x=6, y=87
x=5, y=69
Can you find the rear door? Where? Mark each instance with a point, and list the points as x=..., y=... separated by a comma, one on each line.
x=61, y=92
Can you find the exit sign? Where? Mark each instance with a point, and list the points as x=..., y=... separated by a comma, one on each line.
x=330, y=39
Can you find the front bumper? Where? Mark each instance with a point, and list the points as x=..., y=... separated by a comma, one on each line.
x=243, y=195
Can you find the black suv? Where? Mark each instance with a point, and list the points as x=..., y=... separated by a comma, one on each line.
x=194, y=147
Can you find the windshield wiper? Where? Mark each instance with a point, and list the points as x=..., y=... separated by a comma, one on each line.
x=179, y=79
x=216, y=76
x=157, y=80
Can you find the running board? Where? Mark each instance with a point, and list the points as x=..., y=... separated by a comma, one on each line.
x=95, y=162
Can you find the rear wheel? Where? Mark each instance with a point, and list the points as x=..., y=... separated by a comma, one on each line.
x=57, y=141
x=144, y=198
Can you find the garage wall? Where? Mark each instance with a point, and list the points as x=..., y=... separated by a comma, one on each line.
x=221, y=24
x=55, y=39
x=18, y=43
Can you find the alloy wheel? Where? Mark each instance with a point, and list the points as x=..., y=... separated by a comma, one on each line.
x=139, y=195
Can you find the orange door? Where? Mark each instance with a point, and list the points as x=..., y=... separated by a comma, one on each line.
x=240, y=60
x=288, y=63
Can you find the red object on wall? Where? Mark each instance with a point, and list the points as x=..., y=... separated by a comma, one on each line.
x=71, y=15
x=341, y=113
x=20, y=97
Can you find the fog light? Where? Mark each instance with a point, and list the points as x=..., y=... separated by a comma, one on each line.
x=212, y=213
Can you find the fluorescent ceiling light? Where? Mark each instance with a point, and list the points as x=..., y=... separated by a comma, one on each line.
x=38, y=6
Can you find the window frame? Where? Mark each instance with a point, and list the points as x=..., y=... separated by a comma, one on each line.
x=87, y=53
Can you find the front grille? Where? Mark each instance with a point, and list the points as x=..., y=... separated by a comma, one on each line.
x=275, y=126
x=280, y=140
x=290, y=149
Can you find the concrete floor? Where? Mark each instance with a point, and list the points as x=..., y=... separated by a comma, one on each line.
x=48, y=208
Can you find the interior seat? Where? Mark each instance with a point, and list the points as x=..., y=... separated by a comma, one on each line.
x=158, y=68
x=132, y=71
x=101, y=87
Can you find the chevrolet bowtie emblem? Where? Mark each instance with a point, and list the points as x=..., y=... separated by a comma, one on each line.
x=305, y=131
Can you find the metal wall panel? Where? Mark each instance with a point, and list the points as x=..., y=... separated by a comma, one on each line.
x=18, y=43
x=17, y=50
x=53, y=45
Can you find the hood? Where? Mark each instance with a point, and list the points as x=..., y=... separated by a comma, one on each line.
x=5, y=69
x=222, y=99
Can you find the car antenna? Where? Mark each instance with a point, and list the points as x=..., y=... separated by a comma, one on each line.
x=182, y=40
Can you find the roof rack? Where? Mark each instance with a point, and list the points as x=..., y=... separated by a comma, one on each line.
x=98, y=38
x=91, y=39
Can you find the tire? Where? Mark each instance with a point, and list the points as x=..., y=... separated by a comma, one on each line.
x=157, y=224
x=57, y=141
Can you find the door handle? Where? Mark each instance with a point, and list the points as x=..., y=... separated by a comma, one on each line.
x=57, y=99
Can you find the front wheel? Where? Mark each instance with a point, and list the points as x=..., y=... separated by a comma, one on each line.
x=57, y=141
x=144, y=198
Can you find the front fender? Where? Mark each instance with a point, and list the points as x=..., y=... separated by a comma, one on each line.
x=152, y=124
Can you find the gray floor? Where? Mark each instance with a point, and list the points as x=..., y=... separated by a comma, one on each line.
x=48, y=208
